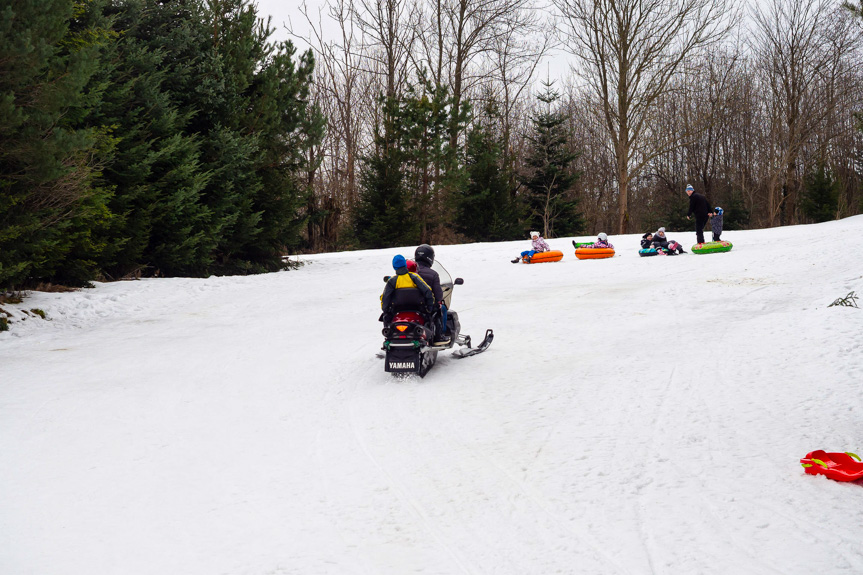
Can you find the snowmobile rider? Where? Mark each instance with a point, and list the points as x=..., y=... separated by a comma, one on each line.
x=405, y=279
x=424, y=257
x=697, y=205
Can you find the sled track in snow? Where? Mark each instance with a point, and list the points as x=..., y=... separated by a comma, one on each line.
x=558, y=525
x=404, y=493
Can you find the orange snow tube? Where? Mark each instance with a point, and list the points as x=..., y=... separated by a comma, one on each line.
x=594, y=253
x=541, y=257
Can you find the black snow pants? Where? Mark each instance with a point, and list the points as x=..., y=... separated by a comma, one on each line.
x=700, y=222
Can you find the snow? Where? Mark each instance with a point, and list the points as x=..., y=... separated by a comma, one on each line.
x=634, y=415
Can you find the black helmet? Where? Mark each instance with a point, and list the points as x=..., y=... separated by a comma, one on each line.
x=424, y=254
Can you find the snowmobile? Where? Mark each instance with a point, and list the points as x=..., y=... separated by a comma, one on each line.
x=409, y=332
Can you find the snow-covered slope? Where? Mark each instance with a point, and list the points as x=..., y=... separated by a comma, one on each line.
x=634, y=415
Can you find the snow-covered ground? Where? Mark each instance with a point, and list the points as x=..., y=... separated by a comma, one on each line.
x=633, y=416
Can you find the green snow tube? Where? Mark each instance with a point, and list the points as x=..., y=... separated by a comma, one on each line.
x=711, y=247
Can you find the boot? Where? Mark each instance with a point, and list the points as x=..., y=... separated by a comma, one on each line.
x=516, y=260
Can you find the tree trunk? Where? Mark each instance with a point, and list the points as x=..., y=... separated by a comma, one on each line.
x=623, y=182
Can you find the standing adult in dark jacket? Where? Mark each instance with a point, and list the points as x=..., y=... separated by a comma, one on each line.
x=424, y=257
x=700, y=208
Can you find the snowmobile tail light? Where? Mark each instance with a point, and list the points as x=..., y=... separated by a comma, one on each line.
x=401, y=327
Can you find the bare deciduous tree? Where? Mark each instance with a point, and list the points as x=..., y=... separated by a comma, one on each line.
x=629, y=50
x=801, y=47
x=342, y=93
x=472, y=28
x=389, y=27
x=515, y=60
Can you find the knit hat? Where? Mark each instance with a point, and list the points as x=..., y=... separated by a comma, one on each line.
x=399, y=262
x=534, y=234
x=660, y=230
x=603, y=236
x=718, y=210
x=689, y=187
x=647, y=234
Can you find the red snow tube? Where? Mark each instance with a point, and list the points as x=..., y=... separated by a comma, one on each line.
x=540, y=257
x=839, y=466
x=594, y=253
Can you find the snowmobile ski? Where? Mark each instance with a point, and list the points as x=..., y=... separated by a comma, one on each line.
x=469, y=351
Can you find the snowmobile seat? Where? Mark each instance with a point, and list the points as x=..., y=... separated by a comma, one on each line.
x=408, y=299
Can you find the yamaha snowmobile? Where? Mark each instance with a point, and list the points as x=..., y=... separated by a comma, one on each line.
x=409, y=345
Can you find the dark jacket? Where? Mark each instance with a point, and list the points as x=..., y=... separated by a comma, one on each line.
x=660, y=241
x=406, y=280
x=646, y=244
x=698, y=205
x=432, y=278
x=716, y=223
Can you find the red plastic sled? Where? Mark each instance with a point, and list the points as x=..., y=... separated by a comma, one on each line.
x=839, y=466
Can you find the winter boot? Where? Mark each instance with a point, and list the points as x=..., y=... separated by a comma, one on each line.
x=516, y=260
x=441, y=340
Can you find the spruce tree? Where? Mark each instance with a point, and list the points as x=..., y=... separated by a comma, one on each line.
x=251, y=103
x=431, y=166
x=383, y=217
x=405, y=183
x=288, y=126
x=736, y=215
x=550, y=175
x=486, y=208
x=49, y=204
x=161, y=225
x=820, y=200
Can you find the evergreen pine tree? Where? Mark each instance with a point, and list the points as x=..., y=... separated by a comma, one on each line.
x=220, y=95
x=820, y=200
x=550, y=176
x=405, y=182
x=431, y=166
x=736, y=216
x=251, y=102
x=486, y=209
x=49, y=204
x=383, y=217
x=288, y=126
x=161, y=225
